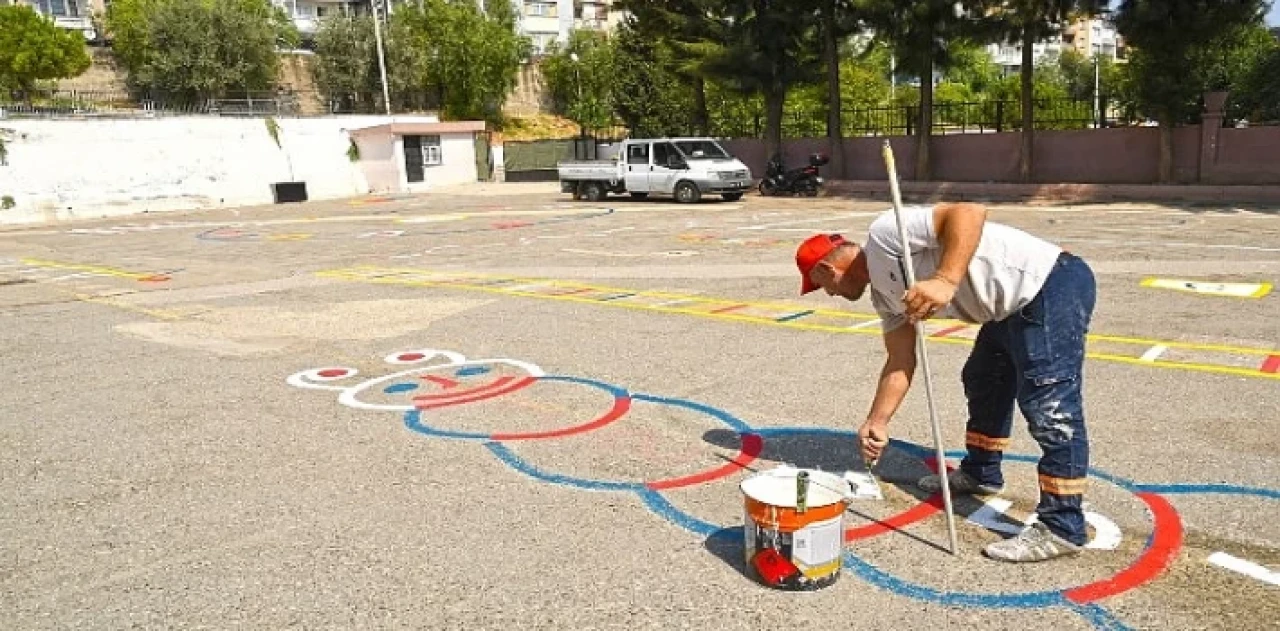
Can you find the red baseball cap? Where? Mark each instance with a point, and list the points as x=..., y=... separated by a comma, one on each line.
x=810, y=253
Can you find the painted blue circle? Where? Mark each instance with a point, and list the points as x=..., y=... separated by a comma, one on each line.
x=397, y=388
x=468, y=371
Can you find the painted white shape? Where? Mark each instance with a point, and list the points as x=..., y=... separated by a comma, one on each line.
x=866, y=325
x=1235, y=290
x=312, y=379
x=428, y=354
x=1248, y=568
x=1154, y=353
x=863, y=485
x=1106, y=534
x=988, y=516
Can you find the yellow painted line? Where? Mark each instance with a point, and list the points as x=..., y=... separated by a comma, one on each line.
x=105, y=271
x=449, y=280
x=160, y=314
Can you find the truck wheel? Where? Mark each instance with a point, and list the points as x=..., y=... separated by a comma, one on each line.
x=593, y=191
x=731, y=197
x=687, y=192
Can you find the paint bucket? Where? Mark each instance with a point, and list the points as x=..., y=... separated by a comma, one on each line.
x=794, y=527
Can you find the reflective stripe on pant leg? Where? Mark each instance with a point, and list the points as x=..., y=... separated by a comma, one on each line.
x=990, y=385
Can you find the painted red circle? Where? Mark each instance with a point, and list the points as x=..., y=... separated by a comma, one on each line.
x=410, y=357
x=329, y=373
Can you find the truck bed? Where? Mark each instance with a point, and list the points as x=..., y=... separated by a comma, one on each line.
x=588, y=170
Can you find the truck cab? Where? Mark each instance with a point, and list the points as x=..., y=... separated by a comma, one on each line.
x=684, y=168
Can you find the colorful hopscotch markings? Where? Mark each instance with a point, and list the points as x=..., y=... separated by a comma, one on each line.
x=1209, y=288
x=58, y=271
x=423, y=383
x=1192, y=356
x=1247, y=568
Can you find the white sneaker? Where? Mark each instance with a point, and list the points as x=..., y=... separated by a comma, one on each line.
x=1035, y=543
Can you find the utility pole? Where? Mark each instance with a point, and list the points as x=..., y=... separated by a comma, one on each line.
x=382, y=58
x=1097, y=95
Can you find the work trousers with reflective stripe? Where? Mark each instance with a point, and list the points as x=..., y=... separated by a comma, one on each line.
x=1035, y=358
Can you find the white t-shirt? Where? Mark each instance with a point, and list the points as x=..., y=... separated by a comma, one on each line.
x=1006, y=272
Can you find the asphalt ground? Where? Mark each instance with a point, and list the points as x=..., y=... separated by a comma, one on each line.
x=494, y=407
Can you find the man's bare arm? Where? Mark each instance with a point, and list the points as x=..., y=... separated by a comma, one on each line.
x=895, y=377
x=959, y=228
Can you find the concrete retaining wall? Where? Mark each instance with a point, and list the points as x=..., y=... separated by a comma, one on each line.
x=95, y=168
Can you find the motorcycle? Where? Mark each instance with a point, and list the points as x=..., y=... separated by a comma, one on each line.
x=806, y=180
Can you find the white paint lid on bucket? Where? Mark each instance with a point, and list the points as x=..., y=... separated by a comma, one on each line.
x=777, y=487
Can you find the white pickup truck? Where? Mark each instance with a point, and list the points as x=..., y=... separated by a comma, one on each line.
x=685, y=168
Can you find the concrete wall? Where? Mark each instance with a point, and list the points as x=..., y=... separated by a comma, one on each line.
x=77, y=169
x=1248, y=156
x=1102, y=156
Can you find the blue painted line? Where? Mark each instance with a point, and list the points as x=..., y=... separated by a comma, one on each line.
x=615, y=297
x=397, y=388
x=468, y=371
x=667, y=511
x=1225, y=489
x=515, y=462
x=1099, y=617
x=725, y=417
x=883, y=580
x=794, y=316
x=610, y=388
x=413, y=420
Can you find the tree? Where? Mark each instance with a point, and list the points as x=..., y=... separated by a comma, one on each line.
x=1165, y=34
x=1028, y=22
x=192, y=50
x=766, y=48
x=1229, y=63
x=922, y=34
x=345, y=70
x=33, y=49
x=580, y=76
x=441, y=54
x=681, y=27
x=648, y=92
x=838, y=19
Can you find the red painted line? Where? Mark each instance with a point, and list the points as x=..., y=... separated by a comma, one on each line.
x=1166, y=542
x=482, y=395
x=1271, y=365
x=751, y=447
x=728, y=309
x=932, y=505
x=897, y=522
x=497, y=383
x=155, y=278
x=621, y=405
x=949, y=330
x=443, y=382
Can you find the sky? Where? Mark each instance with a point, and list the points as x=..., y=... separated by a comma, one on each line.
x=1273, y=18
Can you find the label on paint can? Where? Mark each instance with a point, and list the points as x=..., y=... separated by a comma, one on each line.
x=818, y=543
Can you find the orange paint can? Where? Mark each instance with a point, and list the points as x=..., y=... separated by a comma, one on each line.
x=793, y=527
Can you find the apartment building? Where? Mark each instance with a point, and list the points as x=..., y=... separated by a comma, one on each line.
x=550, y=21
x=73, y=15
x=1089, y=37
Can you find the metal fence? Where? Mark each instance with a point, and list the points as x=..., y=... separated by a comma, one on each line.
x=123, y=104
x=747, y=119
